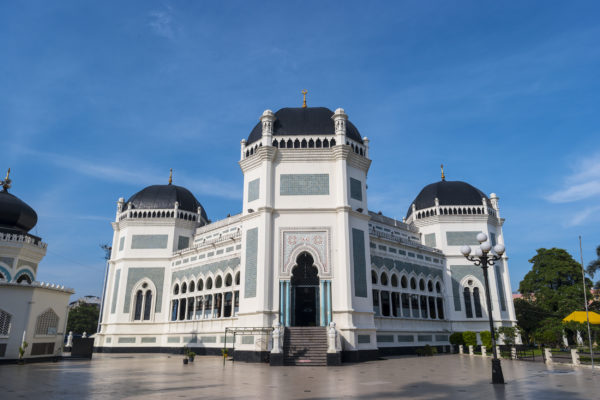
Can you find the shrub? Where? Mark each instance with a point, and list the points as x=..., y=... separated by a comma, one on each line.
x=470, y=338
x=486, y=339
x=457, y=338
x=426, y=351
x=509, y=333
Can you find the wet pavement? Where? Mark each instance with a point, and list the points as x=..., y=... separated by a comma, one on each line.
x=158, y=376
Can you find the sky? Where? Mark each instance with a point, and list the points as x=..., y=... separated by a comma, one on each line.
x=100, y=99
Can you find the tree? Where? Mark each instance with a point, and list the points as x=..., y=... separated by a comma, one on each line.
x=529, y=317
x=83, y=318
x=555, y=282
x=594, y=266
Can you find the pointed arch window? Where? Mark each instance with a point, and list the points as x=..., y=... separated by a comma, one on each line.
x=143, y=307
x=477, y=303
x=47, y=323
x=468, y=307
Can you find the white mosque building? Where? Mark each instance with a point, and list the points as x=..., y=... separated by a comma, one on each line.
x=304, y=252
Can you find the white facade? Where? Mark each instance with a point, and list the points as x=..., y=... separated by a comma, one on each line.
x=304, y=251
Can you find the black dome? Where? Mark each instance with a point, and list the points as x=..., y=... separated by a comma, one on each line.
x=449, y=193
x=15, y=214
x=304, y=121
x=164, y=197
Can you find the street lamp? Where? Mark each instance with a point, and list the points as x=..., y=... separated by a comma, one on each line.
x=482, y=257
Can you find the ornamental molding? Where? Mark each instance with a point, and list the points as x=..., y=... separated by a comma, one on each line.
x=314, y=240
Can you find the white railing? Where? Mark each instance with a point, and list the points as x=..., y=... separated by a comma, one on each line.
x=453, y=210
x=159, y=214
x=22, y=238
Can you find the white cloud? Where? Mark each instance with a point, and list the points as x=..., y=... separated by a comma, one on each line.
x=111, y=171
x=162, y=24
x=583, y=183
x=585, y=216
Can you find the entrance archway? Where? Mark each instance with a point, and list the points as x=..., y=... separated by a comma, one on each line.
x=305, y=291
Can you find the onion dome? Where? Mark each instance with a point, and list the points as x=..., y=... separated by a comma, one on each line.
x=15, y=215
x=304, y=121
x=448, y=193
x=164, y=197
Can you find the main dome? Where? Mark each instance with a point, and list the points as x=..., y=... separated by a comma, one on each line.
x=164, y=197
x=448, y=193
x=304, y=121
x=15, y=214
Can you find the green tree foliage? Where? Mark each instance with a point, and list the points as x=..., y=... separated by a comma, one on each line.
x=508, y=334
x=594, y=266
x=554, y=282
x=550, y=333
x=530, y=316
x=470, y=338
x=83, y=318
x=457, y=338
x=486, y=339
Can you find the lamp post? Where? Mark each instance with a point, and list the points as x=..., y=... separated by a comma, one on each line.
x=483, y=258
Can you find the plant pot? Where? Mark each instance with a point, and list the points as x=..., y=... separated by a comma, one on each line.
x=185, y=360
x=191, y=359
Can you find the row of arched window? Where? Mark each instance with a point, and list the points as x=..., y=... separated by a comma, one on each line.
x=23, y=278
x=162, y=214
x=220, y=300
x=390, y=303
x=304, y=144
x=451, y=211
x=404, y=282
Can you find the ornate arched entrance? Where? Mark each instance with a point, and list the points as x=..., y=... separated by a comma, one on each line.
x=305, y=292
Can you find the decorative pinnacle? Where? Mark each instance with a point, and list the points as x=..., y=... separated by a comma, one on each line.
x=443, y=176
x=7, y=181
x=170, y=176
x=304, y=94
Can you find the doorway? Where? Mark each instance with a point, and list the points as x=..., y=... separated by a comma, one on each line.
x=305, y=291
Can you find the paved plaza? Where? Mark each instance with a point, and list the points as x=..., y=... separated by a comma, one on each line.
x=158, y=376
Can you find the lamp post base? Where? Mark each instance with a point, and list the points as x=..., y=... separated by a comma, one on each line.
x=497, y=376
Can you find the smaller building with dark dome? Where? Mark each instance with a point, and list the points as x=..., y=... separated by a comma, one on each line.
x=30, y=311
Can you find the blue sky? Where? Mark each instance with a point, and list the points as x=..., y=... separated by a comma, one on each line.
x=100, y=99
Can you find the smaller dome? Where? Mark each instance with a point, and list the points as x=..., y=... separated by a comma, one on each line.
x=164, y=197
x=15, y=214
x=448, y=193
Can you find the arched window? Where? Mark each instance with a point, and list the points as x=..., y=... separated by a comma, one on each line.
x=404, y=282
x=4, y=323
x=422, y=284
x=374, y=277
x=413, y=283
x=237, y=278
x=438, y=287
x=384, y=279
x=218, y=282
x=477, y=302
x=430, y=286
x=192, y=284
x=183, y=288
x=228, y=280
x=47, y=323
x=468, y=308
x=176, y=289
x=24, y=278
x=200, y=285
x=2, y=277
x=139, y=298
x=147, y=305
x=209, y=284
x=394, y=280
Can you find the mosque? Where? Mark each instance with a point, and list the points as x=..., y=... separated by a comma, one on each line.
x=305, y=274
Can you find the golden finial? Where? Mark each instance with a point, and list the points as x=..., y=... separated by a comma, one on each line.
x=443, y=176
x=7, y=181
x=171, y=176
x=304, y=102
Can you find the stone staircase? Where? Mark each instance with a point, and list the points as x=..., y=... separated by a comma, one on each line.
x=305, y=345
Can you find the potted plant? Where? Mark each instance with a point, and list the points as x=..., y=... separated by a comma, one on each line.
x=191, y=356
x=225, y=353
x=22, y=352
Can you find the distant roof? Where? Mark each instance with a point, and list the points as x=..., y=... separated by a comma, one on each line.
x=449, y=193
x=164, y=197
x=580, y=316
x=304, y=121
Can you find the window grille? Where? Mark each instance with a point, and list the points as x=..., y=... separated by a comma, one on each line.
x=4, y=323
x=47, y=323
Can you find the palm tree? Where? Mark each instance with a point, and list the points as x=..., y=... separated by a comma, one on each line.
x=594, y=265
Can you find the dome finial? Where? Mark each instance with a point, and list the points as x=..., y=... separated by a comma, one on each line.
x=443, y=176
x=170, y=176
x=304, y=94
x=7, y=181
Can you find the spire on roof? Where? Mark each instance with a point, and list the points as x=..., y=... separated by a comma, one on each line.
x=170, y=176
x=443, y=176
x=6, y=182
x=304, y=94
